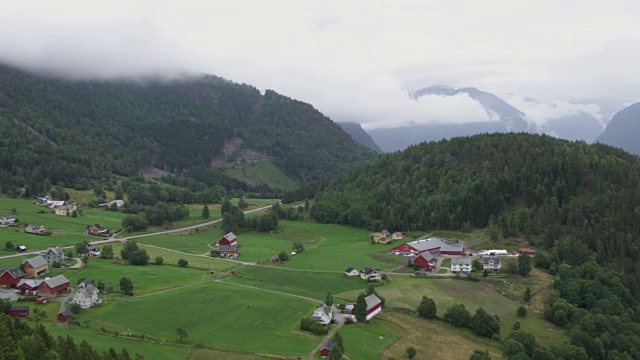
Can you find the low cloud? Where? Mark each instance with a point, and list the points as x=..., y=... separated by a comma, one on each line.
x=541, y=112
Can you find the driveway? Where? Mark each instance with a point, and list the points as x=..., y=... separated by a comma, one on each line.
x=8, y=294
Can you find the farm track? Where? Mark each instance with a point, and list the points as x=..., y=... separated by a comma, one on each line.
x=271, y=291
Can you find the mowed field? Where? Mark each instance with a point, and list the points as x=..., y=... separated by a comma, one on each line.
x=368, y=341
x=305, y=283
x=146, y=279
x=217, y=315
x=167, y=351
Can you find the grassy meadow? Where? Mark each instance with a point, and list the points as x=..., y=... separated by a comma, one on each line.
x=217, y=315
x=263, y=172
x=368, y=341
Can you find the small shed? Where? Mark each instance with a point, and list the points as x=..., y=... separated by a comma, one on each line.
x=326, y=349
x=19, y=311
x=64, y=316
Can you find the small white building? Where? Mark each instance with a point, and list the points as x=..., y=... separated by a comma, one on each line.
x=351, y=272
x=461, y=265
x=86, y=295
x=494, y=252
x=323, y=314
x=65, y=210
x=397, y=236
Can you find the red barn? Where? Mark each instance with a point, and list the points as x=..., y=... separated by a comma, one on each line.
x=228, y=239
x=29, y=285
x=425, y=261
x=374, y=306
x=53, y=286
x=326, y=349
x=527, y=251
x=64, y=316
x=455, y=249
x=10, y=277
x=19, y=311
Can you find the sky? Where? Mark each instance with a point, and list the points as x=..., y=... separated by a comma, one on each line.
x=353, y=60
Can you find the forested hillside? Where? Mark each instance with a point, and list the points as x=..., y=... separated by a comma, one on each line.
x=76, y=131
x=580, y=202
x=581, y=197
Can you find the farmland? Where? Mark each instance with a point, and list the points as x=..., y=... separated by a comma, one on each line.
x=226, y=318
x=249, y=301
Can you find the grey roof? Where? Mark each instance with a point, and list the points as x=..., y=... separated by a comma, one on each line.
x=372, y=300
x=66, y=312
x=34, y=283
x=58, y=250
x=227, y=247
x=427, y=244
x=461, y=261
x=56, y=281
x=36, y=262
x=452, y=247
x=486, y=259
x=15, y=272
x=327, y=345
x=230, y=236
x=35, y=226
x=88, y=290
x=19, y=308
x=349, y=269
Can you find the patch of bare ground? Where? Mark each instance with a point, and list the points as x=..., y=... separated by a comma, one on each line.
x=435, y=340
x=153, y=172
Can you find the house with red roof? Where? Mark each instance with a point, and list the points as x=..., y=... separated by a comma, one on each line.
x=397, y=236
x=11, y=277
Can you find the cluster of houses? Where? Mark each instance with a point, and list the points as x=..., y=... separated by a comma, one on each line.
x=60, y=206
x=423, y=252
x=385, y=236
x=324, y=315
x=7, y=220
x=227, y=246
x=367, y=273
x=29, y=278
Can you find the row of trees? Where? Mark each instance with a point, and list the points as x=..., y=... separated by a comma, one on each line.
x=18, y=340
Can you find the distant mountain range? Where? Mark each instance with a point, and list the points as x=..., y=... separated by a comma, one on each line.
x=576, y=126
x=360, y=136
x=624, y=129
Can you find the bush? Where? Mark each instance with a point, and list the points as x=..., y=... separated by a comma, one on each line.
x=56, y=264
x=183, y=263
x=312, y=326
x=75, y=308
x=159, y=260
x=522, y=311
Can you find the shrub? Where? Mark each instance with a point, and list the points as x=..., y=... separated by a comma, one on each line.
x=159, y=260
x=312, y=326
x=522, y=311
x=183, y=263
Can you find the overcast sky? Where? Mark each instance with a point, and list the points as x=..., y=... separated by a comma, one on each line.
x=353, y=60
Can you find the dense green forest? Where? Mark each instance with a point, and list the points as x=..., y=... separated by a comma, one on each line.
x=78, y=131
x=578, y=201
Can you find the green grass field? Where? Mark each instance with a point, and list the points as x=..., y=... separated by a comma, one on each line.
x=167, y=351
x=217, y=315
x=311, y=284
x=146, y=279
x=367, y=341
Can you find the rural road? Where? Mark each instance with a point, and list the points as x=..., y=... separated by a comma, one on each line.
x=112, y=239
x=272, y=291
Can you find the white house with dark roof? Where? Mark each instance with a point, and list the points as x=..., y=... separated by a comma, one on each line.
x=370, y=274
x=491, y=263
x=461, y=265
x=351, y=272
x=323, y=314
x=86, y=295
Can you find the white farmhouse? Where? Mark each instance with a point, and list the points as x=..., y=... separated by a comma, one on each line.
x=323, y=314
x=461, y=265
x=86, y=295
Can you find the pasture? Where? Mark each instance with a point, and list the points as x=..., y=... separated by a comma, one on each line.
x=311, y=284
x=367, y=341
x=146, y=279
x=435, y=340
x=218, y=315
x=102, y=342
